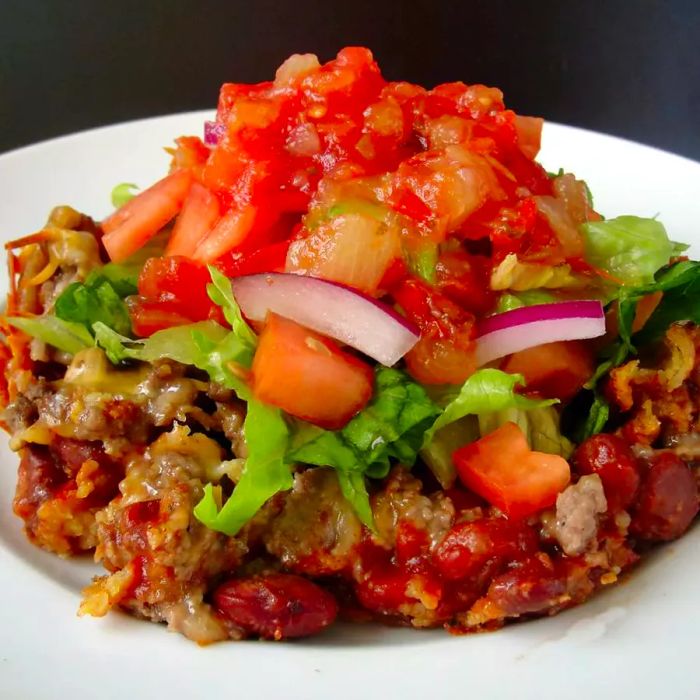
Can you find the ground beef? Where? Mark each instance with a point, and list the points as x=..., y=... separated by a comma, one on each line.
x=160, y=556
x=60, y=490
x=402, y=500
x=89, y=415
x=579, y=508
x=317, y=530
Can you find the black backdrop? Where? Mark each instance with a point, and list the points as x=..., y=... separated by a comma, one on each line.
x=628, y=67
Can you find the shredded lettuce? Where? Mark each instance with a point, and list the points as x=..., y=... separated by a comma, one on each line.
x=64, y=335
x=422, y=262
x=486, y=391
x=391, y=426
x=222, y=359
x=680, y=284
x=122, y=193
x=437, y=454
x=207, y=345
x=632, y=249
x=221, y=293
x=266, y=472
x=92, y=301
x=123, y=277
x=171, y=343
x=540, y=425
x=510, y=301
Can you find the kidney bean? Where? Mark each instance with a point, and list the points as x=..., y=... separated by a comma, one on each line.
x=38, y=478
x=141, y=512
x=469, y=546
x=610, y=457
x=530, y=588
x=668, y=500
x=384, y=589
x=73, y=453
x=276, y=606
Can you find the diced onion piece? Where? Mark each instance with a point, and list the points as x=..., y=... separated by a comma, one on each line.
x=213, y=131
x=529, y=326
x=334, y=310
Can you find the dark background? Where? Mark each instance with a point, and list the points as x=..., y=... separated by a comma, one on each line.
x=630, y=68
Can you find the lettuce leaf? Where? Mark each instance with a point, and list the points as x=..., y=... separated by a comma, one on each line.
x=540, y=426
x=98, y=299
x=630, y=248
x=437, y=454
x=391, y=426
x=486, y=391
x=122, y=193
x=510, y=301
x=266, y=472
x=123, y=277
x=171, y=343
x=207, y=345
x=64, y=335
x=422, y=261
x=222, y=359
x=221, y=293
x=680, y=284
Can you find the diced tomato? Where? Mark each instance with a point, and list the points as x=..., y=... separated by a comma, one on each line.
x=191, y=153
x=529, y=173
x=464, y=278
x=451, y=183
x=178, y=280
x=200, y=212
x=231, y=231
x=529, y=130
x=131, y=226
x=396, y=273
x=555, y=370
x=172, y=291
x=308, y=375
x=148, y=317
x=270, y=258
x=501, y=468
x=445, y=353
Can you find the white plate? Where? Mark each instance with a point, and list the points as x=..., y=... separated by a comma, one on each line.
x=637, y=639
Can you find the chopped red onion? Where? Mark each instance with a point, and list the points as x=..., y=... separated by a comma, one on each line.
x=213, y=131
x=332, y=309
x=529, y=326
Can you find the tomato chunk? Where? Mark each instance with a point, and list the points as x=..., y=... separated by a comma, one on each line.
x=611, y=458
x=501, y=468
x=308, y=375
x=172, y=292
x=131, y=226
x=445, y=352
x=199, y=214
x=555, y=370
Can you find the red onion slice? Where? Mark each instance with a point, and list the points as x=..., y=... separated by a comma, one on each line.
x=519, y=329
x=332, y=309
x=213, y=131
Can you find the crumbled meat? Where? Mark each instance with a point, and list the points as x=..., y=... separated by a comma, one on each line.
x=151, y=529
x=59, y=491
x=578, y=509
x=169, y=395
x=231, y=417
x=659, y=402
x=88, y=415
x=317, y=530
x=20, y=414
x=401, y=499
